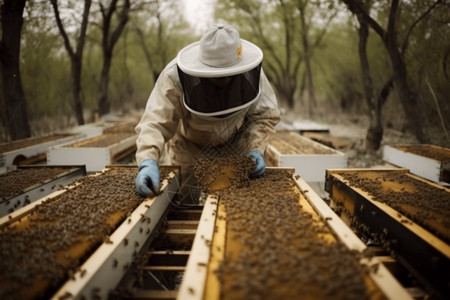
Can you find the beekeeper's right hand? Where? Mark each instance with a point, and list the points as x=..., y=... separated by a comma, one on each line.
x=147, y=181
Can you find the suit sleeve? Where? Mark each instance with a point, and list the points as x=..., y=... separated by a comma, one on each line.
x=262, y=117
x=161, y=116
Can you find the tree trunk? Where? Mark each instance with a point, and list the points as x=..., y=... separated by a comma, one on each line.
x=108, y=43
x=286, y=86
x=103, y=101
x=308, y=71
x=408, y=99
x=15, y=102
x=445, y=66
x=76, y=89
x=375, y=131
x=76, y=56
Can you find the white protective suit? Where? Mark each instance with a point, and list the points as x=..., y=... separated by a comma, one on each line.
x=172, y=135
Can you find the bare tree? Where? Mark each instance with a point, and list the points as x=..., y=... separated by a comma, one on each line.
x=152, y=57
x=75, y=55
x=375, y=130
x=110, y=36
x=307, y=55
x=163, y=33
x=282, y=28
x=14, y=98
x=309, y=44
x=396, y=50
x=283, y=55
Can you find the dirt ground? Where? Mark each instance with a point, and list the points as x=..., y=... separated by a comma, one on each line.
x=357, y=155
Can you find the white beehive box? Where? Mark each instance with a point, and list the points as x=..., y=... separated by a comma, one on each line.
x=309, y=158
x=427, y=161
x=32, y=148
x=302, y=126
x=96, y=153
x=91, y=129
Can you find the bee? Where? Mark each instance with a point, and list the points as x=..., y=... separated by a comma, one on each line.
x=82, y=273
x=66, y=295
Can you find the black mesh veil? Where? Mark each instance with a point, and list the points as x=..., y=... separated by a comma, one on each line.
x=205, y=97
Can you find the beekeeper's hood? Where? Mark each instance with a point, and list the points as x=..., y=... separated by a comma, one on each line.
x=220, y=73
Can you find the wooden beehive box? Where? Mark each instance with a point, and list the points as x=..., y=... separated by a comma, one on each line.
x=91, y=129
x=427, y=161
x=404, y=213
x=263, y=240
x=309, y=158
x=31, y=150
x=85, y=236
x=96, y=153
x=121, y=127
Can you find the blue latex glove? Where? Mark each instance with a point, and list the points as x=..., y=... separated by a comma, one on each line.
x=147, y=181
x=257, y=157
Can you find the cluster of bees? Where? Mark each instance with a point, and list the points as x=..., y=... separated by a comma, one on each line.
x=287, y=142
x=401, y=192
x=283, y=251
x=15, y=182
x=209, y=169
x=37, y=249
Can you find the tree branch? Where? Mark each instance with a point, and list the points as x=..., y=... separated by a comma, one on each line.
x=122, y=22
x=406, y=39
x=84, y=25
x=61, y=29
x=444, y=62
x=357, y=8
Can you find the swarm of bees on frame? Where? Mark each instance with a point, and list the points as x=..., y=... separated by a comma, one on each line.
x=283, y=250
x=16, y=182
x=235, y=168
x=32, y=246
x=401, y=192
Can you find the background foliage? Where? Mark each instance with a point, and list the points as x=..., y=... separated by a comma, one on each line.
x=157, y=30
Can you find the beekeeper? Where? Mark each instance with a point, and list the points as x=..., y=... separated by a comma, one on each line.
x=214, y=97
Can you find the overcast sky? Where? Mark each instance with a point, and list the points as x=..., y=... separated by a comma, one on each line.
x=199, y=13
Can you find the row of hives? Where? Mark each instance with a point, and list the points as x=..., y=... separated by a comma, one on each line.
x=269, y=239
x=254, y=236
x=94, y=145
x=80, y=240
x=401, y=209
